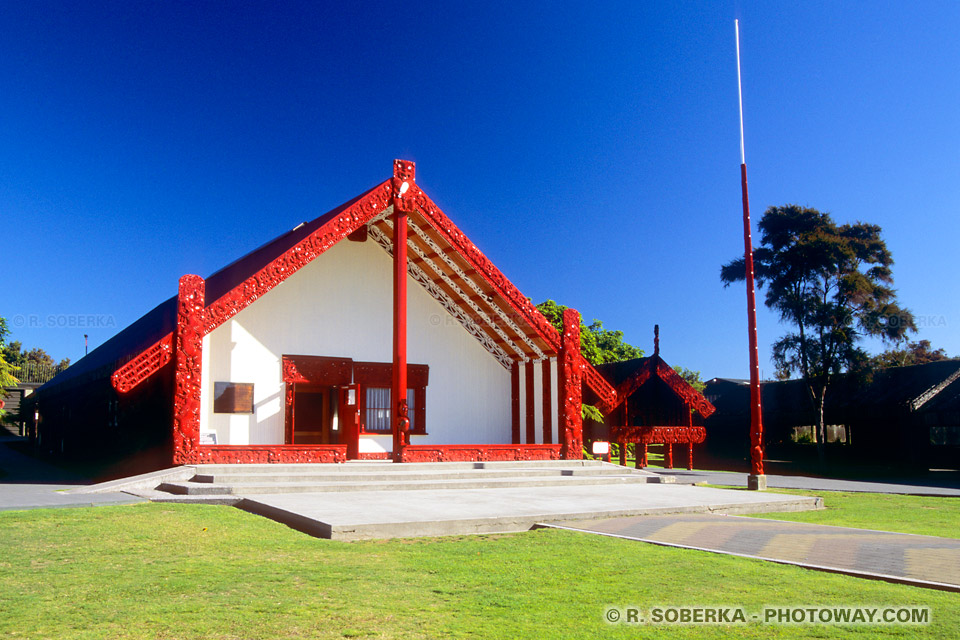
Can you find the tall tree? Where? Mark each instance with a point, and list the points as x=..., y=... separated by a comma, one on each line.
x=598, y=345
x=7, y=379
x=834, y=285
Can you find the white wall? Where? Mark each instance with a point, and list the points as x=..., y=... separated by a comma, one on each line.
x=341, y=305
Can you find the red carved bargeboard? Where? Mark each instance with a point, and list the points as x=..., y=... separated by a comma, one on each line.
x=480, y=452
x=356, y=215
x=522, y=307
x=144, y=365
x=659, y=435
x=264, y=454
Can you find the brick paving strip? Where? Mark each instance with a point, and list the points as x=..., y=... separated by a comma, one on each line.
x=925, y=561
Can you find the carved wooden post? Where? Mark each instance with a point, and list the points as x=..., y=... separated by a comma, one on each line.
x=641, y=460
x=571, y=394
x=403, y=176
x=188, y=363
x=690, y=456
x=668, y=458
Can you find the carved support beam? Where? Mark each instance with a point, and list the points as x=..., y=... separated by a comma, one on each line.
x=403, y=177
x=571, y=393
x=187, y=369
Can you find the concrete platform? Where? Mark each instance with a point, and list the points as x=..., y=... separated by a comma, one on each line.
x=387, y=514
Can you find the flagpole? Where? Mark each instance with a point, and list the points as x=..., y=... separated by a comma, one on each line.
x=757, y=479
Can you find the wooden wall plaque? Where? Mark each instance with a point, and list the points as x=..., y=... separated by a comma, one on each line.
x=233, y=397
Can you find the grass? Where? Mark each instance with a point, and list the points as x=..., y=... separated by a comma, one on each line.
x=924, y=515
x=198, y=571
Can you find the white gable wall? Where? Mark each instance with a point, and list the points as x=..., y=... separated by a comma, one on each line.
x=341, y=305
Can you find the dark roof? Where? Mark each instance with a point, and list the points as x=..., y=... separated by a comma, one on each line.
x=157, y=323
x=617, y=372
x=903, y=386
x=727, y=381
x=935, y=385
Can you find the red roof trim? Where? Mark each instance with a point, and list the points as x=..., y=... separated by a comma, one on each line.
x=506, y=289
x=297, y=256
x=325, y=236
x=276, y=271
x=656, y=366
x=144, y=365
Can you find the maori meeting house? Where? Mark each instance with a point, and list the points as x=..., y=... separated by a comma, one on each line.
x=376, y=331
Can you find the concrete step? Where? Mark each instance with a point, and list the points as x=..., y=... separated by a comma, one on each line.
x=399, y=473
x=269, y=486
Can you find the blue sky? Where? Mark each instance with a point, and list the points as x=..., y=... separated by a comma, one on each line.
x=591, y=150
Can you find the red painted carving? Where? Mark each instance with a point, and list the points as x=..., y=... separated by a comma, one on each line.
x=659, y=435
x=346, y=222
x=404, y=171
x=298, y=256
x=668, y=457
x=291, y=374
x=522, y=307
x=373, y=455
x=188, y=367
x=626, y=388
x=403, y=423
x=144, y=365
x=656, y=366
x=756, y=458
x=571, y=393
x=480, y=453
x=690, y=396
x=288, y=414
x=263, y=454
x=599, y=385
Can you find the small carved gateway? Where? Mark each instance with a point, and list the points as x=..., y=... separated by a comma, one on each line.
x=653, y=405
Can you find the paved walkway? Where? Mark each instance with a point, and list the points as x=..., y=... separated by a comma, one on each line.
x=925, y=561
x=917, y=487
x=28, y=483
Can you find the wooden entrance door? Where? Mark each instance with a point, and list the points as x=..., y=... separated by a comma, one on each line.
x=310, y=416
x=349, y=419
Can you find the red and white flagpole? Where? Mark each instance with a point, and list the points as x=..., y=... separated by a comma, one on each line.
x=757, y=479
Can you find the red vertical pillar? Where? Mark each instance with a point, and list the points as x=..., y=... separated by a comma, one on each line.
x=547, y=403
x=515, y=403
x=756, y=414
x=188, y=363
x=668, y=457
x=571, y=393
x=531, y=405
x=403, y=178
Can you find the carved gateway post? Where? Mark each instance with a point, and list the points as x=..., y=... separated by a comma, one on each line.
x=188, y=347
x=403, y=177
x=571, y=394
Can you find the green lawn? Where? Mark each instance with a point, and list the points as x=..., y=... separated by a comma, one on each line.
x=924, y=515
x=195, y=571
